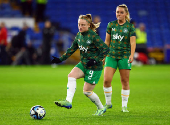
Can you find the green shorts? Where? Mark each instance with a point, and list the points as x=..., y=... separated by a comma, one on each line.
x=120, y=63
x=90, y=76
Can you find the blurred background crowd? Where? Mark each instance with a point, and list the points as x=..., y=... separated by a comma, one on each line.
x=32, y=31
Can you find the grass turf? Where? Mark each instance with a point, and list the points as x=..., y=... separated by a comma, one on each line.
x=25, y=86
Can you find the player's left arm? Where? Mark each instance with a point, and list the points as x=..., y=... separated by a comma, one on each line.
x=103, y=48
x=132, y=42
x=133, y=47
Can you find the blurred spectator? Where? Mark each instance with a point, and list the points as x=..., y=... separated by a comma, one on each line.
x=141, y=43
x=48, y=33
x=133, y=22
x=32, y=53
x=19, y=50
x=141, y=39
x=26, y=6
x=97, y=19
x=64, y=41
x=3, y=44
x=40, y=10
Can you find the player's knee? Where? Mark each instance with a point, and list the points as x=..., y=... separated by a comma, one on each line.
x=125, y=82
x=125, y=87
x=87, y=93
x=70, y=75
x=107, y=82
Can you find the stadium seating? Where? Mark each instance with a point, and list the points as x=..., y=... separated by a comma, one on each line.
x=153, y=13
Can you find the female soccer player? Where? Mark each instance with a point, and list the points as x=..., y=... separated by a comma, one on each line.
x=92, y=51
x=121, y=40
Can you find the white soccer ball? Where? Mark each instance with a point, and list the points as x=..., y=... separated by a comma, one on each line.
x=37, y=112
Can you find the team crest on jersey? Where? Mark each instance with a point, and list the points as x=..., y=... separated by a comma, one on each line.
x=125, y=30
x=113, y=29
x=88, y=41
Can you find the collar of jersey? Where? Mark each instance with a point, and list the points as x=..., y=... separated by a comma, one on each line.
x=86, y=32
x=119, y=24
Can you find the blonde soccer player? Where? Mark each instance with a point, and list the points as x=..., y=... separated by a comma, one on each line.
x=121, y=40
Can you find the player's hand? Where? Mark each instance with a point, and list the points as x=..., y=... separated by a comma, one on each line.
x=55, y=60
x=130, y=59
x=91, y=62
x=103, y=61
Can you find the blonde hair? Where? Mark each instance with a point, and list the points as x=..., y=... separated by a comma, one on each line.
x=126, y=10
x=88, y=18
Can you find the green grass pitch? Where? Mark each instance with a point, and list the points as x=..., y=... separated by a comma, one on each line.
x=25, y=86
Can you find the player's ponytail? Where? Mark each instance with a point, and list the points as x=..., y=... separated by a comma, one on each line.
x=88, y=18
x=126, y=10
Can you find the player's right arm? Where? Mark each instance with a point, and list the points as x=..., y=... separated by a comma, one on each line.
x=108, y=34
x=107, y=42
x=70, y=51
x=108, y=38
x=67, y=54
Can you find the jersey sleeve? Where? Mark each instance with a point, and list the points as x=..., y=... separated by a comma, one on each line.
x=70, y=50
x=108, y=30
x=103, y=48
x=132, y=31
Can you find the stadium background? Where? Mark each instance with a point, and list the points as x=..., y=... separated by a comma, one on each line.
x=22, y=87
x=155, y=14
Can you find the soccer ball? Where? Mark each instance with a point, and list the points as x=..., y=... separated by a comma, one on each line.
x=37, y=112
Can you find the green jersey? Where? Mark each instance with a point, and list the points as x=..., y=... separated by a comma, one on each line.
x=120, y=39
x=91, y=47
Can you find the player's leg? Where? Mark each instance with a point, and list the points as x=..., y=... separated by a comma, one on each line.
x=108, y=75
x=109, y=70
x=76, y=73
x=124, y=75
x=91, y=79
x=88, y=91
x=124, y=69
